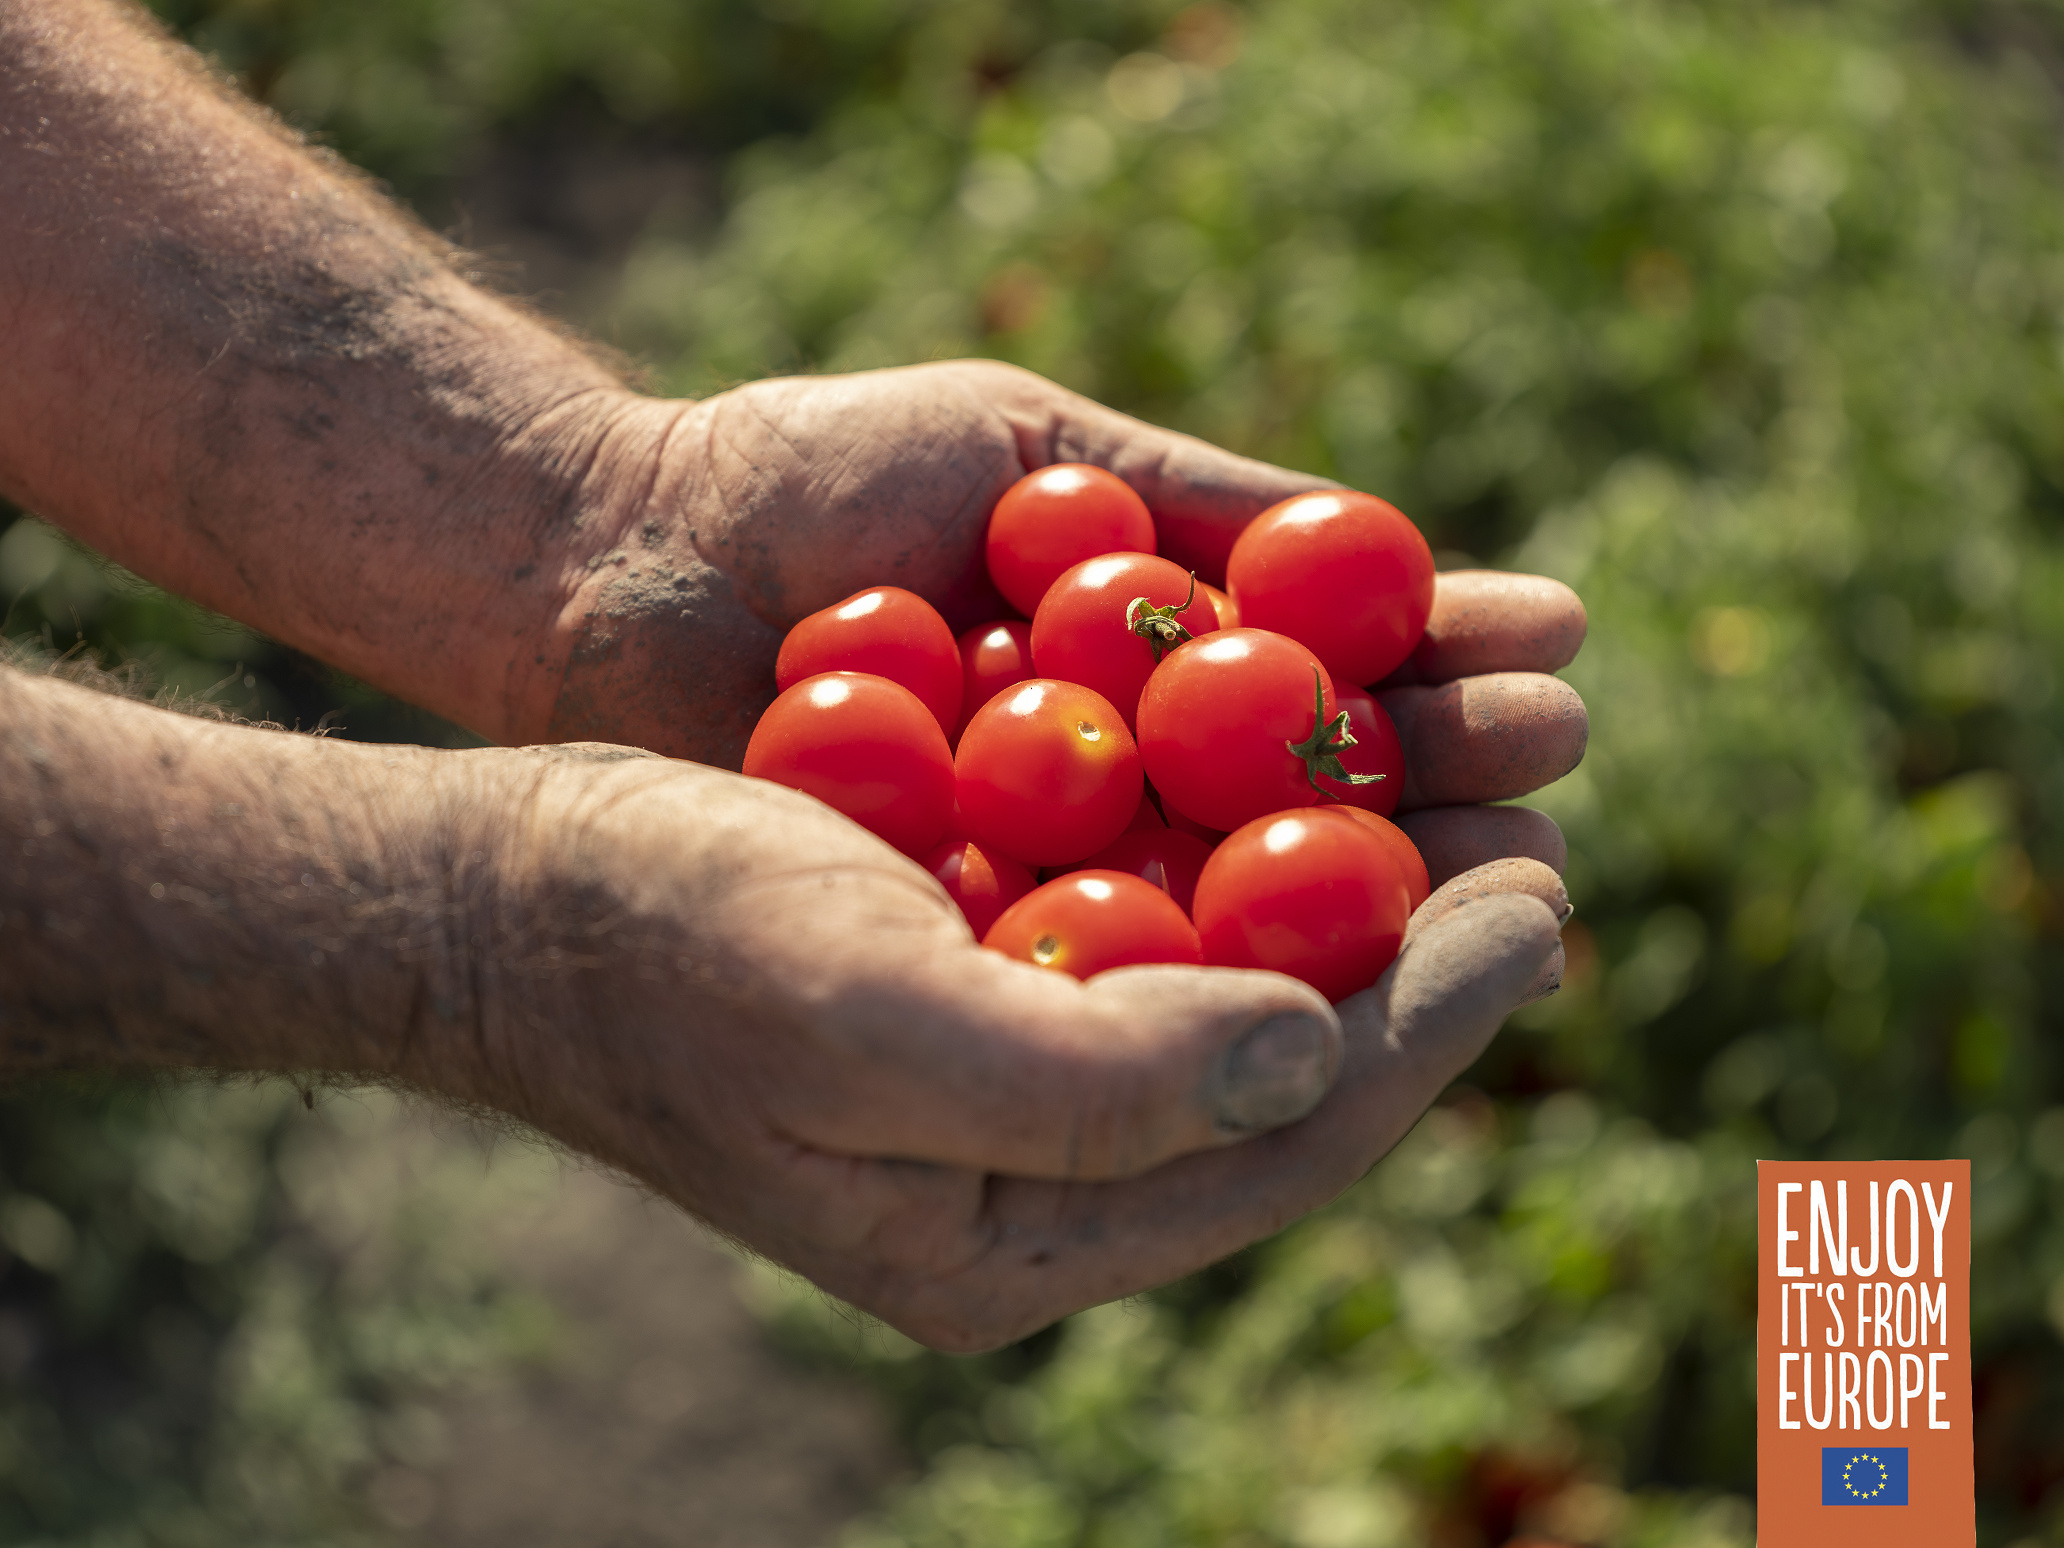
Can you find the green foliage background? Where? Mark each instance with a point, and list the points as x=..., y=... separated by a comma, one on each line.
x=1746, y=320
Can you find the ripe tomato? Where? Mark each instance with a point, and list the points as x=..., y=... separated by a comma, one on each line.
x=1156, y=817
x=1221, y=604
x=1410, y=863
x=992, y=658
x=1311, y=893
x=885, y=631
x=1376, y=750
x=982, y=883
x=1057, y=517
x=1087, y=631
x=864, y=746
x=1230, y=725
x=1346, y=574
x=1091, y=921
x=1169, y=860
x=1047, y=773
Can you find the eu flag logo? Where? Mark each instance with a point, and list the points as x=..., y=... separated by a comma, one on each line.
x=1863, y=1475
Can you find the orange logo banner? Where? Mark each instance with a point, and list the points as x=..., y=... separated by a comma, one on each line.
x=1863, y=1355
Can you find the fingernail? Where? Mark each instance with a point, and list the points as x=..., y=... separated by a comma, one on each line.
x=1567, y=910
x=1273, y=1075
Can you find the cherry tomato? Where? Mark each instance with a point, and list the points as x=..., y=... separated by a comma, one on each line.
x=1092, y=921
x=1086, y=630
x=1311, y=893
x=885, y=631
x=863, y=746
x=1219, y=720
x=983, y=884
x=1047, y=773
x=1155, y=815
x=1221, y=604
x=1376, y=750
x=992, y=658
x=1057, y=517
x=1346, y=574
x=1410, y=863
x=1169, y=860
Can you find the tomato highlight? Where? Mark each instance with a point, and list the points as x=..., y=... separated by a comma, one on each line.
x=1312, y=893
x=1055, y=518
x=885, y=631
x=863, y=746
x=1089, y=922
x=1047, y=773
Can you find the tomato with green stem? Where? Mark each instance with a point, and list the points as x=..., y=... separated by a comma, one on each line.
x=1238, y=724
x=1375, y=751
x=1107, y=622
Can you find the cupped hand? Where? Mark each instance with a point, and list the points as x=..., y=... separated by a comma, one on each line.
x=732, y=518
x=730, y=992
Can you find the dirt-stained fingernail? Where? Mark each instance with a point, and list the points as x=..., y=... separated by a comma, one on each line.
x=1274, y=1074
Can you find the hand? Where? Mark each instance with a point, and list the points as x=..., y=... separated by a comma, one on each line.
x=734, y=517
x=764, y=1013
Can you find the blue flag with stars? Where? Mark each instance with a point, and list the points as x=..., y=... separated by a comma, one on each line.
x=1863, y=1475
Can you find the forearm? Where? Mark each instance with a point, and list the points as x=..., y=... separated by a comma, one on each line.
x=180, y=893
x=239, y=371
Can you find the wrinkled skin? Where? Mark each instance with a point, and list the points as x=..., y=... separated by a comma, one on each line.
x=246, y=376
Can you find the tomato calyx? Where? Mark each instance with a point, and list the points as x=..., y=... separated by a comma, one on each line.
x=1157, y=625
x=1322, y=749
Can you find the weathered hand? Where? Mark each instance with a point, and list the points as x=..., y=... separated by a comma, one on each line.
x=736, y=516
x=771, y=1017
x=717, y=985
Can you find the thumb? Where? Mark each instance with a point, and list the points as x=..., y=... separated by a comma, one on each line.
x=976, y=1060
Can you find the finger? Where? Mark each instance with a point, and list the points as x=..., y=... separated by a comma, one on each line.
x=1497, y=878
x=965, y=1057
x=1047, y=1250
x=1485, y=738
x=1201, y=495
x=1489, y=621
x=1454, y=839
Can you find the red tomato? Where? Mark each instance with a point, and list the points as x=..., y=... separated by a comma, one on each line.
x=1171, y=861
x=981, y=883
x=1376, y=750
x=1346, y=574
x=1059, y=517
x=1047, y=773
x=864, y=746
x=1157, y=817
x=1311, y=893
x=992, y=658
x=885, y=631
x=1221, y=604
x=1091, y=921
x=1087, y=632
x=1410, y=863
x=1219, y=722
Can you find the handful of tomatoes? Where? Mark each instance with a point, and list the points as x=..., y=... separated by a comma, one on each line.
x=1195, y=772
